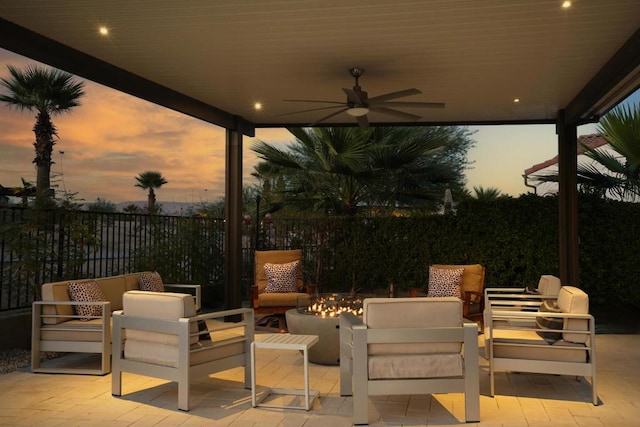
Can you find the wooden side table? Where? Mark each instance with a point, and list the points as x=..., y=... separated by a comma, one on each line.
x=284, y=342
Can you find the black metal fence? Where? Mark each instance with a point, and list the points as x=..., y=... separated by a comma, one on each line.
x=45, y=246
x=39, y=247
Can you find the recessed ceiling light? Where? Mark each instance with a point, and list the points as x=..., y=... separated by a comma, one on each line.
x=516, y=100
x=566, y=4
x=257, y=106
x=103, y=31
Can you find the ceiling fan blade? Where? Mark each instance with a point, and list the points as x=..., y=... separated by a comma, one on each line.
x=314, y=100
x=395, y=113
x=352, y=96
x=363, y=122
x=312, y=109
x=411, y=104
x=393, y=95
x=335, y=113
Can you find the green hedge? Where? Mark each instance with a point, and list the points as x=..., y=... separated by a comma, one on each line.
x=516, y=239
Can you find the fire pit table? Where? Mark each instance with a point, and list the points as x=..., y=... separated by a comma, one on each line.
x=322, y=318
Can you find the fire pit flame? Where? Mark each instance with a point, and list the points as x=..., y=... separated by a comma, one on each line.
x=333, y=305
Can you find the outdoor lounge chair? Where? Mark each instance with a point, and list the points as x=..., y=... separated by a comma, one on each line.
x=525, y=341
x=471, y=289
x=162, y=341
x=274, y=301
x=409, y=346
x=548, y=288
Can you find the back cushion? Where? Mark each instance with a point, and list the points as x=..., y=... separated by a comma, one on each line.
x=387, y=313
x=549, y=285
x=472, y=277
x=113, y=288
x=574, y=300
x=56, y=292
x=275, y=257
x=132, y=281
x=159, y=305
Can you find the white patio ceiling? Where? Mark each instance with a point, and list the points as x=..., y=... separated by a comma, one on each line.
x=476, y=56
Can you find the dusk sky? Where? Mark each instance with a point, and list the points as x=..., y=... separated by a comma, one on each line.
x=112, y=137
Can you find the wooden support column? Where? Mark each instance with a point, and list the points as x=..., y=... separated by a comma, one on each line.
x=233, y=223
x=568, y=199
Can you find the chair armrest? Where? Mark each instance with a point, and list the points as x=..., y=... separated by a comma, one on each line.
x=470, y=297
x=106, y=308
x=195, y=290
x=417, y=292
x=254, y=296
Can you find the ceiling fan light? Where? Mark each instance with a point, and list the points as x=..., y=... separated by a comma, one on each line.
x=358, y=111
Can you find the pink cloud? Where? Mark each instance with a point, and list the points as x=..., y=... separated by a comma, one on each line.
x=112, y=137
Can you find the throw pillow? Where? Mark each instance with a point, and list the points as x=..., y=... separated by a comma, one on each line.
x=151, y=282
x=444, y=282
x=549, y=323
x=86, y=291
x=281, y=277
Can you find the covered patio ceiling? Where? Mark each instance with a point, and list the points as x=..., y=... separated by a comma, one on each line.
x=215, y=59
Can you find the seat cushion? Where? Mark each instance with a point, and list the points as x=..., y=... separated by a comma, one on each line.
x=286, y=299
x=415, y=366
x=167, y=355
x=541, y=350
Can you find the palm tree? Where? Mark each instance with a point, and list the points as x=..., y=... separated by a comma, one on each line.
x=49, y=93
x=615, y=175
x=487, y=194
x=150, y=180
x=346, y=170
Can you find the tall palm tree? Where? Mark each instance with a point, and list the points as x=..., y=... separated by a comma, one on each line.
x=345, y=170
x=48, y=92
x=607, y=174
x=150, y=180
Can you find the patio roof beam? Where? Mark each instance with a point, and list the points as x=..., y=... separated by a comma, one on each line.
x=617, y=79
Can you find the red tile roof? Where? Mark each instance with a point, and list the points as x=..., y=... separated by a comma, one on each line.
x=593, y=140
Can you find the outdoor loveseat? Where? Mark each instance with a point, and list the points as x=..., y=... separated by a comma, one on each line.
x=62, y=324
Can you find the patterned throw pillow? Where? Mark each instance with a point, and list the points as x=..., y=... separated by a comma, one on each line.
x=86, y=291
x=549, y=323
x=151, y=282
x=444, y=282
x=281, y=277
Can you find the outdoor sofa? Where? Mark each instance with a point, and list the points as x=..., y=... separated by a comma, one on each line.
x=60, y=324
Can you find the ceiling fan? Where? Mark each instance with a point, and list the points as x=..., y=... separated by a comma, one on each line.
x=358, y=104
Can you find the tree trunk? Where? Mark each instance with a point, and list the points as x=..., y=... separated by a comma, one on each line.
x=44, y=131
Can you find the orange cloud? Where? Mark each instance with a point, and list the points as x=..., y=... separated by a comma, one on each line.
x=112, y=136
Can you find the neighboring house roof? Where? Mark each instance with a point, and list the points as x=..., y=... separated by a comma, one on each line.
x=593, y=140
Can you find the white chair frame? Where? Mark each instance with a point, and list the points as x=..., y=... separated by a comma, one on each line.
x=354, y=378
x=520, y=320
x=184, y=372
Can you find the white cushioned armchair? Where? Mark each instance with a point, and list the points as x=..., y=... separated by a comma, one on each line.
x=559, y=342
x=156, y=334
x=409, y=346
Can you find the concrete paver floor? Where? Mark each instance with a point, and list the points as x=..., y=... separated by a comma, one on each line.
x=221, y=400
